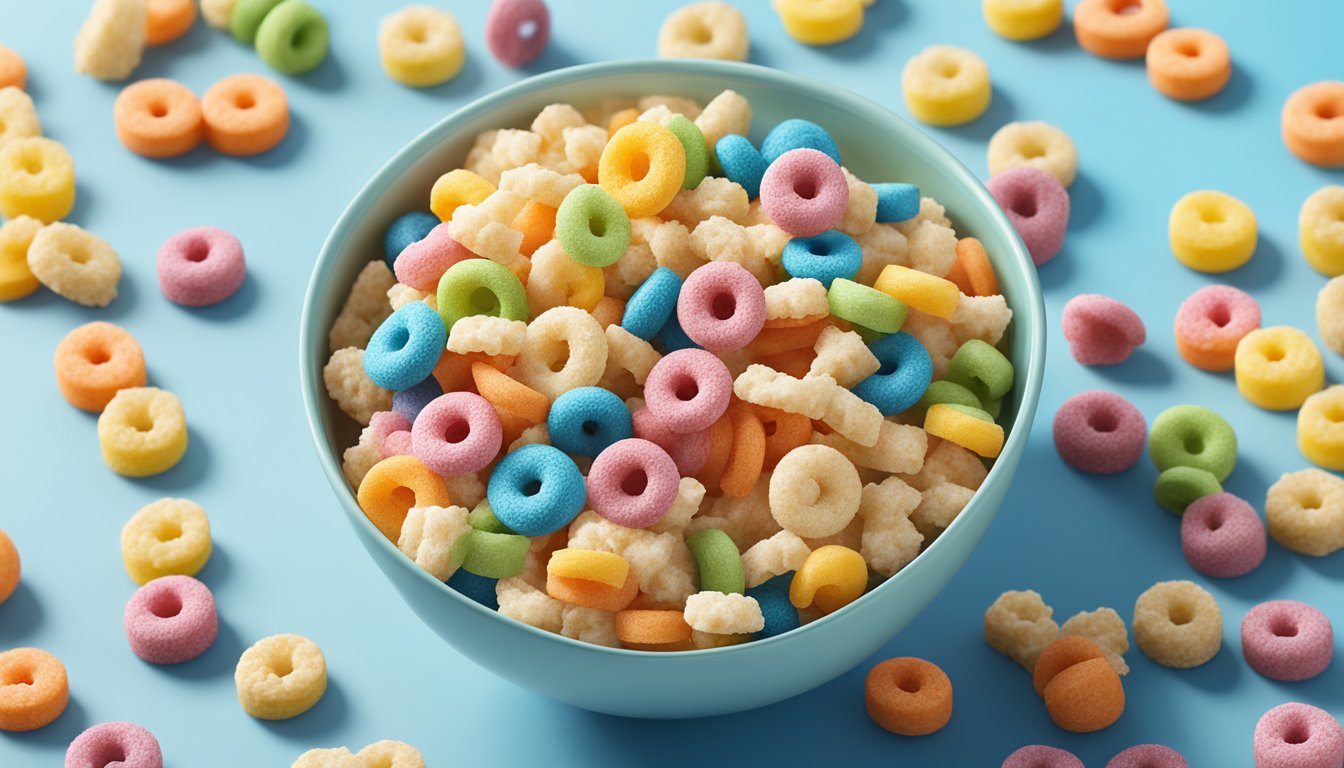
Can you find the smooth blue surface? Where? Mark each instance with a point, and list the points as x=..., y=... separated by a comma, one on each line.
x=283, y=563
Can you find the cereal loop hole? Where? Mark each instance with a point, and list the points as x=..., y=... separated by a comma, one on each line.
x=402, y=497
x=166, y=604
x=282, y=666
x=531, y=487
x=1102, y=422
x=1194, y=445
x=687, y=389
x=1283, y=626
x=635, y=482
x=1180, y=614
x=167, y=530
x=244, y=101
x=1125, y=7
x=723, y=306
x=97, y=355
x=456, y=431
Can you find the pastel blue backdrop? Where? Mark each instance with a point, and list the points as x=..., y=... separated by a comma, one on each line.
x=285, y=561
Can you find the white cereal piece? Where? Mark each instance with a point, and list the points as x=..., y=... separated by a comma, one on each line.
x=671, y=245
x=678, y=104
x=18, y=116
x=217, y=13
x=484, y=229
x=937, y=337
x=584, y=145
x=481, y=161
x=351, y=387
x=365, y=308
x=690, y=493
x=1020, y=626
x=662, y=563
x=537, y=434
x=658, y=113
x=75, y=264
x=746, y=520
x=467, y=490
x=400, y=294
x=359, y=458
x=715, y=196
x=762, y=385
x=514, y=148
x=882, y=246
x=932, y=248
x=981, y=317
x=890, y=541
x=525, y=603
x=629, y=271
x=589, y=625
x=796, y=298
x=929, y=210
x=948, y=462
x=428, y=536
x=112, y=39
x=899, y=449
x=629, y=360
x=729, y=112
x=843, y=356
x=766, y=243
x=756, y=214
x=539, y=184
x=940, y=505
x=852, y=417
x=723, y=614
x=1105, y=628
x=488, y=334
x=861, y=212
x=551, y=122
x=774, y=556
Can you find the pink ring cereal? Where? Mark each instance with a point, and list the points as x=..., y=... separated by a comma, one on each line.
x=1211, y=323
x=1297, y=735
x=201, y=266
x=280, y=677
x=1099, y=432
x=633, y=483
x=1041, y=756
x=1037, y=206
x=457, y=433
x=1148, y=756
x=688, y=449
x=125, y=745
x=165, y=538
x=422, y=263
x=1101, y=330
x=721, y=306
x=1287, y=640
x=688, y=390
x=1222, y=536
x=516, y=31
x=804, y=192
x=171, y=620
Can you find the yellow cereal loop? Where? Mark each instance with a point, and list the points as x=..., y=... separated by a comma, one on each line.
x=1320, y=428
x=830, y=578
x=971, y=432
x=457, y=187
x=390, y=754
x=556, y=280
x=704, y=31
x=280, y=677
x=1035, y=144
x=642, y=166
x=143, y=432
x=169, y=537
x=946, y=85
x=75, y=263
x=927, y=293
x=1321, y=230
x=820, y=22
x=16, y=279
x=589, y=565
x=1023, y=19
x=421, y=45
x=1278, y=368
x=37, y=178
x=1212, y=231
x=18, y=116
x=1330, y=314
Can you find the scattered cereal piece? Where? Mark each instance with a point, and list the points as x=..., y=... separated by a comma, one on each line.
x=94, y=362
x=1212, y=231
x=165, y=538
x=167, y=20
x=18, y=116
x=1041, y=756
x=280, y=677
x=1178, y=624
x=201, y=266
x=1305, y=512
x=1222, y=536
x=217, y=13
x=909, y=696
x=37, y=179
x=1180, y=486
x=704, y=31
x=946, y=85
x=333, y=757
x=1018, y=624
x=1023, y=19
x=9, y=567
x=158, y=117
x=1105, y=628
x=1188, y=64
x=1034, y=144
x=245, y=115
x=1311, y=129
x=112, y=39
x=41, y=698
x=1330, y=314
x=1099, y=432
x=13, y=71
x=142, y=431
x=1193, y=436
x=1211, y=323
x=390, y=754
x=1086, y=697
x=171, y=619
x=516, y=31
x=1320, y=227
x=1297, y=735
x=1320, y=428
x=1113, y=31
x=136, y=746
x=820, y=23
x=1287, y=640
x=723, y=614
x=293, y=37
x=1101, y=330
x=1278, y=368
x=1037, y=206
x=75, y=264
x=1148, y=756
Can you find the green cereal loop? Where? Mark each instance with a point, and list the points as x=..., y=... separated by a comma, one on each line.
x=247, y=17
x=982, y=369
x=697, y=151
x=293, y=37
x=482, y=518
x=993, y=408
x=1179, y=487
x=1193, y=436
x=865, y=306
x=592, y=227
x=947, y=393
x=480, y=287
x=495, y=555
x=971, y=411
x=719, y=562
x=868, y=335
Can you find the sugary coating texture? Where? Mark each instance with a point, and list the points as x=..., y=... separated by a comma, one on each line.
x=1320, y=228
x=704, y=31
x=865, y=201
x=201, y=266
x=968, y=427
x=1086, y=697
x=171, y=619
x=16, y=279
x=1320, y=428
x=564, y=348
x=592, y=227
x=589, y=565
x=37, y=178
x=717, y=561
x=478, y=589
x=280, y=677
x=1023, y=20
x=666, y=167
x=1212, y=231
x=721, y=307
x=795, y=298
x=821, y=23
x=1305, y=512
x=1297, y=735
x=18, y=116
x=1211, y=323
x=590, y=625
x=1148, y=756
x=1287, y=640
x=972, y=271
x=762, y=385
x=713, y=196
x=1019, y=625
x=645, y=627
x=525, y=603
x=804, y=192
x=329, y=757
x=905, y=371
x=1179, y=487
x=890, y=540
x=34, y=689
x=1222, y=536
x=142, y=432
x=245, y=115
x=487, y=334
x=1062, y=653
x=1307, y=131
x=831, y=577
x=350, y=386
x=1041, y=756
x=1037, y=206
x=167, y=20
x=1099, y=432
x=111, y=40
x=775, y=556
x=814, y=491
x=393, y=487
x=946, y=85
x=9, y=567
x=1105, y=628
x=247, y=16
x=389, y=753
x=688, y=390
x=76, y=264
x=1101, y=330
x=1116, y=31
x=843, y=356
x=516, y=31
x=365, y=307
x=1330, y=314
x=536, y=490
x=1178, y=624
x=865, y=306
x=133, y=746
x=540, y=184
x=1036, y=144
x=919, y=290
x=1278, y=368
x=908, y=696
x=164, y=538
x=217, y=13
x=13, y=70
x=95, y=361
x=429, y=536
x=293, y=38
x=1188, y=64
x=727, y=113
x=1193, y=436
x=948, y=462
x=723, y=614
x=633, y=482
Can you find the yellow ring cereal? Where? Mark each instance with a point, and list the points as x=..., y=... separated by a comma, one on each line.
x=421, y=46
x=820, y=22
x=456, y=188
x=143, y=432
x=1212, y=231
x=565, y=348
x=642, y=166
x=1320, y=428
x=16, y=278
x=830, y=578
x=704, y=31
x=1278, y=368
x=390, y=754
x=76, y=264
x=983, y=437
x=169, y=537
x=590, y=565
x=946, y=85
x=1329, y=313
x=280, y=677
x=1036, y=145
x=1305, y=512
x=814, y=491
x=1320, y=229
x=18, y=116
x=1023, y=19
x=1178, y=624
x=37, y=178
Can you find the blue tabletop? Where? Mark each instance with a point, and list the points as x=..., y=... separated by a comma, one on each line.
x=285, y=561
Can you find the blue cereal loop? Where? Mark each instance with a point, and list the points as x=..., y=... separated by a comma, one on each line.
x=905, y=374
x=478, y=588
x=407, y=229
x=410, y=401
x=823, y=257
x=896, y=202
x=741, y=162
x=773, y=598
x=671, y=338
x=585, y=420
x=406, y=347
x=798, y=134
x=653, y=302
x=536, y=490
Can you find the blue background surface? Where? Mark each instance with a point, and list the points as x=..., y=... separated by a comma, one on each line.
x=285, y=562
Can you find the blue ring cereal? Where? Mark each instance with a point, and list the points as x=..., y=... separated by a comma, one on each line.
x=653, y=302
x=461, y=294
x=946, y=85
x=896, y=202
x=592, y=227
x=585, y=420
x=1212, y=231
x=648, y=193
x=773, y=598
x=169, y=537
x=407, y=229
x=742, y=162
x=143, y=431
x=907, y=370
x=536, y=490
x=823, y=257
x=1278, y=368
x=796, y=133
x=1193, y=436
x=280, y=677
x=37, y=178
x=406, y=347
x=704, y=31
x=421, y=46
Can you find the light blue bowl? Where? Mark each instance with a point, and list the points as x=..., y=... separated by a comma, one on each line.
x=880, y=147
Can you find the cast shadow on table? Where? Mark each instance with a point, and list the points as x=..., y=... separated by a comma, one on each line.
x=463, y=85
x=1144, y=368
x=1000, y=112
x=323, y=720
x=878, y=20
x=127, y=294
x=293, y=143
x=1085, y=202
x=59, y=734
x=556, y=55
x=218, y=661
x=1057, y=272
x=188, y=473
x=20, y=616
x=1236, y=93
x=1264, y=269
x=329, y=76
x=217, y=569
x=233, y=307
x=158, y=60
x=1218, y=675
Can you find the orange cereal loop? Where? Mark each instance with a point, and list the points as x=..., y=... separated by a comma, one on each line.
x=746, y=457
x=784, y=431
x=393, y=486
x=593, y=594
x=621, y=119
x=167, y=20
x=245, y=115
x=1086, y=697
x=33, y=689
x=510, y=395
x=1188, y=64
x=1313, y=123
x=537, y=223
x=652, y=627
x=972, y=272
x=609, y=311
x=795, y=362
x=1118, y=29
x=500, y=363
x=13, y=72
x=775, y=340
x=94, y=362
x=908, y=696
x=9, y=567
x=1061, y=654
x=453, y=372
x=720, y=446
x=158, y=118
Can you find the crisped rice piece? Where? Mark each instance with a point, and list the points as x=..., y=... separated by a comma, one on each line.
x=515, y=148
x=942, y=503
x=400, y=294
x=627, y=352
x=551, y=122
x=365, y=308
x=981, y=317
x=111, y=40
x=861, y=212
x=428, y=536
x=715, y=196
x=359, y=458
x=539, y=184
x=843, y=356
x=487, y=333
x=466, y=490
x=537, y=434
x=796, y=298
x=661, y=562
x=484, y=229
x=678, y=104
x=930, y=210
x=765, y=243
x=583, y=148
x=1019, y=625
x=746, y=520
x=882, y=245
x=1105, y=628
x=671, y=245
x=852, y=417
x=1305, y=512
x=525, y=603
x=948, y=462
x=351, y=387
x=723, y=614
x=481, y=161
x=932, y=248
x=1178, y=624
x=690, y=493
x=589, y=625
x=899, y=448
x=936, y=336
x=774, y=556
x=729, y=112
x=629, y=271
x=762, y=385
x=890, y=541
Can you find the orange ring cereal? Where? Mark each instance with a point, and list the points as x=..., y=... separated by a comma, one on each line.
x=830, y=578
x=1118, y=29
x=1086, y=697
x=16, y=278
x=1188, y=64
x=652, y=627
x=590, y=565
x=9, y=567
x=167, y=20
x=94, y=362
x=642, y=166
x=593, y=594
x=393, y=486
x=13, y=72
x=169, y=537
x=508, y=395
x=972, y=271
x=245, y=115
x=37, y=178
x=1178, y=624
x=784, y=431
x=34, y=689
x=720, y=446
x=280, y=677
x=537, y=223
x=746, y=457
x=1313, y=123
x=143, y=431
x=908, y=696
x=158, y=118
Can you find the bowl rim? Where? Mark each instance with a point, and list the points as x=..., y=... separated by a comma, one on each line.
x=911, y=135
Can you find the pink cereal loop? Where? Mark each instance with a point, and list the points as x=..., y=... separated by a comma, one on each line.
x=1297, y=735
x=516, y=31
x=804, y=192
x=1101, y=330
x=384, y=423
x=423, y=262
x=1041, y=756
x=1148, y=756
x=397, y=444
x=721, y=306
x=688, y=450
x=688, y=390
x=1211, y=322
x=1037, y=206
x=633, y=483
x=1099, y=432
x=171, y=619
x=124, y=744
x=1222, y=536
x=1287, y=640
x=201, y=266
x=457, y=433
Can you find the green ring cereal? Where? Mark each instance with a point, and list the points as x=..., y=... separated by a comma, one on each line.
x=1193, y=436
x=865, y=306
x=480, y=287
x=592, y=227
x=293, y=38
x=1178, y=487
